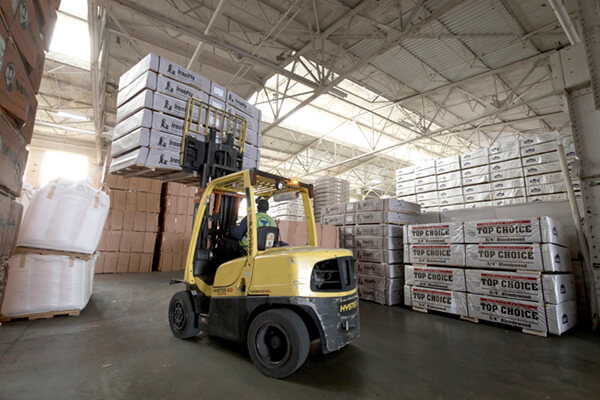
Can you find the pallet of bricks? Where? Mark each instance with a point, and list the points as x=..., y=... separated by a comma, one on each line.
x=512, y=272
x=151, y=105
x=373, y=229
x=329, y=192
x=56, y=246
x=26, y=28
x=176, y=222
x=129, y=236
x=509, y=172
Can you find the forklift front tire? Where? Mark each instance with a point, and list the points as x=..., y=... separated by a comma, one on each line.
x=182, y=316
x=278, y=342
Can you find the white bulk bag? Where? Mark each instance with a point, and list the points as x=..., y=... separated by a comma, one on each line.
x=65, y=216
x=46, y=282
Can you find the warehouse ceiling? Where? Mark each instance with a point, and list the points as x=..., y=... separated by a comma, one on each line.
x=348, y=88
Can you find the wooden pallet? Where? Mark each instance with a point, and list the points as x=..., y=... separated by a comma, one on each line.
x=24, y=249
x=42, y=315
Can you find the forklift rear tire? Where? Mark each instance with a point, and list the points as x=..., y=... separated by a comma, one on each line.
x=182, y=316
x=278, y=342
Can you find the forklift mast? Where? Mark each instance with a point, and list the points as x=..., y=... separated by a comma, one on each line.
x=213, y=146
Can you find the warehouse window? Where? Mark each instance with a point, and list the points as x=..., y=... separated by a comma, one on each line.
x=71, y=38
x=58, y=164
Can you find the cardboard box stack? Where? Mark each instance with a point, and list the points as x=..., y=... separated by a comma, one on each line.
x=514, y=272
x=177, y=218
x=129, y=237
x=26, y=28
x=151, y=106
x=287, y=210
x=328, y=192
x=508, y=172
x=373, y=229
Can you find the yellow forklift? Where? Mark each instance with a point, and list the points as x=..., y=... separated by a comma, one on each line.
x=275, y=298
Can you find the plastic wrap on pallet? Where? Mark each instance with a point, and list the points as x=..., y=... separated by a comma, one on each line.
x=388, y=205
x=540, y=159
x=439, y=300
x=380, y=282
x=508, y=193
x=436, y=233
x=378, y=242
x=561, y=317
x=437, y=254
x=547, y=168
x=508, y=184
x=558, y=288
x=548, y=188
x=475, y=180
x=507, y=174
x=553, y=177
x=505, y=256
x=521, y=230
x=520, y=313
x=475, y=197
x=509, y=284
x=380, y=269
x=505, y=165
x=539, y=148
x=384, y=217
x=435, y=277
x=44, y=283
x=380, y=256
x=482, y=170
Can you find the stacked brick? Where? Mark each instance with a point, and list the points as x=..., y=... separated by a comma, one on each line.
x=177, y=218
x=129, y=238
x=26, y=28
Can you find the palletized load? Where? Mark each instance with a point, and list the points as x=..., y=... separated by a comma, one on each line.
x=380, y=256
x=388, y=205
x=448, y=232
x=389, y=298
x=384, y=230
x=435, y=277
x=531, y=286
x=439, y=300
x=380, y=269
x=561, y=317
x=384, y=217
x=380, y=283
x=66, y=216
x=522, y=230
x=430, y=254
x=45, y=282
x=523, y=256
x=521, y=313
x=379, y=242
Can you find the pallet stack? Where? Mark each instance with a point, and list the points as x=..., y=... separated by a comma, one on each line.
x=509, y=172
x=26, y=28
x=373, y=229
x=129, y=236
x=329, y=192
x=151, y=106
x=176, y=221
x=514, y=272
x=287, y=210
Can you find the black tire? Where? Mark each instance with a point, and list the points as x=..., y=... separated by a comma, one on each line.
x=278, y=342
x=182, y=316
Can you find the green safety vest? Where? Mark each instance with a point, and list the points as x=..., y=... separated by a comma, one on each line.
x=262, y=219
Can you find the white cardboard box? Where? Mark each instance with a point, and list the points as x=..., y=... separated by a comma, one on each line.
x=145, y=81
x=425, y=164
x=158, y=158
x=378, y=242
x=138, y=102
x=476, y=180
x=507, y=284
x=175, y=107
x=505, y=165
x=547, y=197
x=177, y=72
x=508, y=193
x=508, y=184
x=178, y=89
x=478, y=197
x=429, y=196
x=547, y=188
x=243, y=105
x=435, y=277
x=455, y=166
x=450, y=192
x=474, y=162
x=506, y=202
x=449, y=184
x=135, y=157
x=409, y=198
x=138, y=138
x=388, y=204
x=431, y=187
x=410, y=170
x=439, y=300
x=405, y=185
x=150, y=62
x=541, y=168
x=482, y=152
x=384, y=230
x=525, y=257
x=437, y=254
x=165, y=141
x=540, y=159
x=483, y=187
x=539, y=148
x=520, y=313
x=405, y=191
x=539, y=138
x=447, y=161
x=561, y=317
x=504, y=156
x=452, y=207
x=482, y=170
x=451, y=201
x=420, y=173
x=425, y=180
x=450, y=176
x=436, y=233
x=558, y=288
x=381, y=269
x=554, y=177
x=428, y=202
x=384, y=217
x=507, y=174
x=556, y=258
x=406, y=177
x=141, y=119
x=518, y=230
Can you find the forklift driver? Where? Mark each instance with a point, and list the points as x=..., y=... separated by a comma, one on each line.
x=239, y=233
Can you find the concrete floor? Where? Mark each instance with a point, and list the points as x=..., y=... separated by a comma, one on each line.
x=121, y=348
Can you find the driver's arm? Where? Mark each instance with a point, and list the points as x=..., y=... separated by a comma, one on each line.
x=239, y=231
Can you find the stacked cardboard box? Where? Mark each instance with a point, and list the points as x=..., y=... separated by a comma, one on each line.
x=509, y=172
x=295, y=233
x=26, y=28
x=177, y=218
x=287, y=210
x=151, y=107
x=373, y=229
x=517, y=272
x=328, y=192
x=129, y=237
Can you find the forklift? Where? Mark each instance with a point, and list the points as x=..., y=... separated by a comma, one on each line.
x=274, y=298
